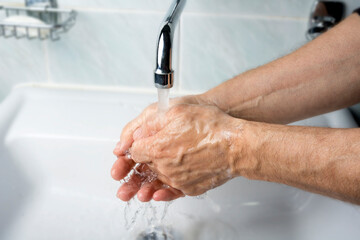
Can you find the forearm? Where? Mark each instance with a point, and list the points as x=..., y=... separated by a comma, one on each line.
x=321, y=160
x=322, y=76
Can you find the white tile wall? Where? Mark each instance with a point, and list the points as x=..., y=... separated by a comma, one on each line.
x=215, y=48
x=20, y=61
x=290, y=8
x=113, y=43
x=116, y=48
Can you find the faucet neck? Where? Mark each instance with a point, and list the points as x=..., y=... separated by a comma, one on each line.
x=164, y=74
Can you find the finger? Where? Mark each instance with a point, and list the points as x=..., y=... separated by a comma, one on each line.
x=126, y=138
x=116, y=149
x=147, y=190
x=121, y=168
x=128, y=190
x=167, y=194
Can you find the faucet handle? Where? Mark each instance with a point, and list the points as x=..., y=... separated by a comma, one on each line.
x=324, y=15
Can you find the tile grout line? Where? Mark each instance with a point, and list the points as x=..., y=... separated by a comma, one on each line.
x=191, y=13
x=116, y=10
x=247, y=16
x=47, y=62
x=88, y=87
x=204, y=14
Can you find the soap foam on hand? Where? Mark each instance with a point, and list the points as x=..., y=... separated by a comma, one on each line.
x=26, y=21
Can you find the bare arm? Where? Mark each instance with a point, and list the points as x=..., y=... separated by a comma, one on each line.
x=320, y=160
x=320, y=77
x=201, y=147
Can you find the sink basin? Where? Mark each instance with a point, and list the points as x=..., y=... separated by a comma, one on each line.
x=55, y=159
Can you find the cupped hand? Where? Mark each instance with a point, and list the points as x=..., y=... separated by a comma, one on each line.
x=145, y=191
x=195, y=148
x=144, y=183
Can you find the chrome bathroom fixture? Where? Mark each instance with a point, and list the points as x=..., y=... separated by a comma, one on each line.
x=38, y=19
x=324, y=15
x=41, y=3
x=164, y=74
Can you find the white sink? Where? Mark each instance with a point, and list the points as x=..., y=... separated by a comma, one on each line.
x=55, y=158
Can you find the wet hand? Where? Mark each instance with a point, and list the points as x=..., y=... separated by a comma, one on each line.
x=143, y=182
x=145, y=191
x=192, y=148
x=127, y=135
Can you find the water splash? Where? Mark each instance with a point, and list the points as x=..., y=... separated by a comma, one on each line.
x=153, y=214
x=131, y=213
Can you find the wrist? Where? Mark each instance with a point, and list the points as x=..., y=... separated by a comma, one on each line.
x=211, y=98
x=244, y=154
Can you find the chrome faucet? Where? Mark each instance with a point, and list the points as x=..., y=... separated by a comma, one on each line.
x=164, y=74
x=324, y=15
x=43, y=3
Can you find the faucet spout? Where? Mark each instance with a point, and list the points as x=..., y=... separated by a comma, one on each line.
x=164, y=74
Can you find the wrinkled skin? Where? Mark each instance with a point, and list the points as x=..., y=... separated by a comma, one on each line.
x=155, y=190
x=193, y=150
x=190, y=148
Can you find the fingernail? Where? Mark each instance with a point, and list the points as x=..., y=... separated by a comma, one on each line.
x=113, y=172
x=118, y=194
x=141, y=197
x=156, y=197
x=137, y=133
x=118, y=146
x=121, y=146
